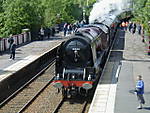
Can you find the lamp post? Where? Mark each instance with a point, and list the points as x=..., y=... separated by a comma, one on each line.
x=84, y=6
x=149, y=40
x=58, y=18
x=84, y=13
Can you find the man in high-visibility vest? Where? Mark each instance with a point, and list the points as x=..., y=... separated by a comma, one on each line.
x=123, y=24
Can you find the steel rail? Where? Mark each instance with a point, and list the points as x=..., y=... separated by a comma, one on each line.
x=84, y=107
x=37, y=94
x=59, y=105
x=27, y=83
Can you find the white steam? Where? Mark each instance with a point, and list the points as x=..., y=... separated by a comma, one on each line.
x=108, y=9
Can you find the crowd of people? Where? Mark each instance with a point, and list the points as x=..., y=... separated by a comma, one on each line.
x=132, y=27
x=66, y=27
x=71, y=28
x=46, y=32
x=125, y=25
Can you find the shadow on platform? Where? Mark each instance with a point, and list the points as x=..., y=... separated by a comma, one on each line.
x=137, y=60
x=146, y=108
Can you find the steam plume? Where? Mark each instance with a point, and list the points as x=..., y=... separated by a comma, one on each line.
x=108, y=9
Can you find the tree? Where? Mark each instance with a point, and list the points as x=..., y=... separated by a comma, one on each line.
x=146, y=16
x=141, y=13
x=61, y=11
x=19, y=14
x=16, y=15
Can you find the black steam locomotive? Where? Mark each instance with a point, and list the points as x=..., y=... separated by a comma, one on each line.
x=79, y=59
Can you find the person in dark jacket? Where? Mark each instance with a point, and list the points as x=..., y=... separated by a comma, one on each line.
x=48, y=32
x=65, y=28
x=139, y=27
x=130, y=26
x=133, y=28
x=12, y=51
x=10, y=41
x=53, y=31
x=42, y=33
x=140, y=91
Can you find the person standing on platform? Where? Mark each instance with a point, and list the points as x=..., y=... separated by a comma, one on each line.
x=139, y=29
x=12, y=51
x=69, y=29
x=133, y=28
x=53, y=31
x=130, y=26
x=140, y=91
x=123, y=25
x=10, y=41
x=42, y=33
x=49, y=32
x=126, y=26
x=65, y=28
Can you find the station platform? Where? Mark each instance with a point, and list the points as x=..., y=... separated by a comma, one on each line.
x=26, y=54
x=33, y=48
x=115, y=90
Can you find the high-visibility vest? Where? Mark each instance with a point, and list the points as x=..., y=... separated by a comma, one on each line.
x=123, y=24
x=127, y=23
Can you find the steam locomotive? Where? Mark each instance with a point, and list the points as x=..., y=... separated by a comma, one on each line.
x=79, y=59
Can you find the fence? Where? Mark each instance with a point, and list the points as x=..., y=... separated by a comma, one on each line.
x=18, y=39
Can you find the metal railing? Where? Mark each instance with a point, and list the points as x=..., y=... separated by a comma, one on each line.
x=18, y=39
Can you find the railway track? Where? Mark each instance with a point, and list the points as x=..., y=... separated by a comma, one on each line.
x=23, y=97
x=72, y=105
x=36, y=96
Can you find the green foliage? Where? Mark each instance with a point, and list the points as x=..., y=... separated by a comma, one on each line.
x=19, y=14
x=141, y=13
x=139, y=4
x=89, y=6
x=61, y=11
x=1, y=8
x=16, y=15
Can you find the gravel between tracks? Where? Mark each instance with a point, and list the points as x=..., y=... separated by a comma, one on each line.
x=15, y=104
x=46, y=102
x=73, y=105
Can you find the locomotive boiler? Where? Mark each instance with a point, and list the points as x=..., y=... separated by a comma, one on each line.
x=79, y=59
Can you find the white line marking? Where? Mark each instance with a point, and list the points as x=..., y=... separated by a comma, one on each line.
x=20, y=64
x=111, y=99
x=121, y=37
x=118, y=71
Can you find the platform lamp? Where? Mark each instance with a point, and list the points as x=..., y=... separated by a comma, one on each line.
x=84, y=13
x=149, y=40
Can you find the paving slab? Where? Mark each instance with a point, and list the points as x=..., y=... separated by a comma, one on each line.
x=128, y=59
x=33, y=48
x=135, y=62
